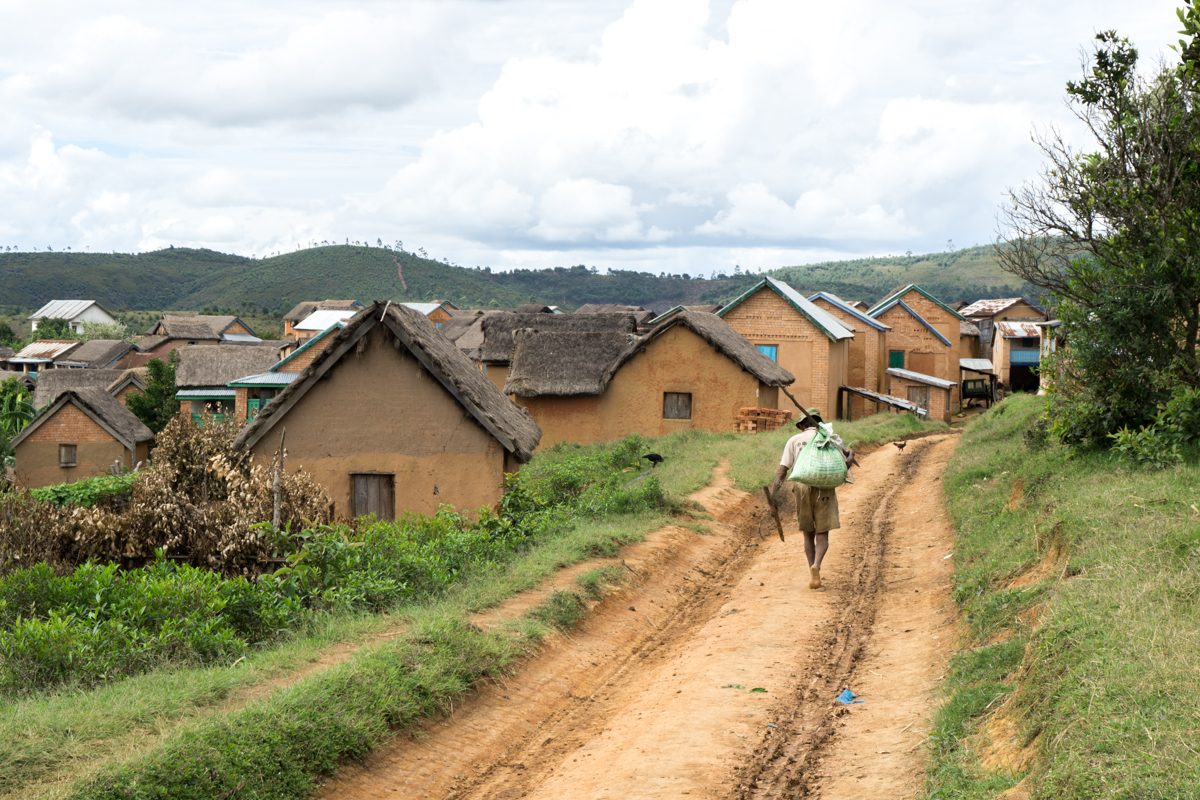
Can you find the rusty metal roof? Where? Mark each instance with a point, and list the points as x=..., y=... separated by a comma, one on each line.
x=48, y=348
x=1018, y=330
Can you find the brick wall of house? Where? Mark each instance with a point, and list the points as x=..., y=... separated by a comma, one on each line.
x=37, y=461
x=240, y=407
x=69, y=425
x=863, y=370
x=438, y=315
x=766, y=318
x=909, y=335
x=939, y=399
x=301, y=361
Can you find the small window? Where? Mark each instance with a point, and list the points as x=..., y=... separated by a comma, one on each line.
x=895, y=359
x=1029, y=343
x=771, y=351
x=677, y=405
x=437, y=324
x=66, y=455
x=374, y=493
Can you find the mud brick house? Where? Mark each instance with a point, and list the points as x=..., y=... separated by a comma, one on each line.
x=493, y=348
x=53, y=382
x=801, y=337
x=692, y=372
x=75, y=312
x=984, y=314
x=130, y=380
x=203, y=375
x=436, y=312
x=925, y=337
x=177, y=330
x=303, y=311
x=42, y=354
x=80, y=435
x=927, y=392
x=864, y=366
x=1014, y=348
x=391, y=417
x=99, y=354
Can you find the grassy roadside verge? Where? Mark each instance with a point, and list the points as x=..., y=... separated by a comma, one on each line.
x=1079, y=581
x=383, y=687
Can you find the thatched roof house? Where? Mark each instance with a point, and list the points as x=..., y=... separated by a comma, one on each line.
x=391, y=416
x=201, y=327
x=80, y=435
x=99, y=354
x=53, y=382
x=203, y=375
x=691, y=372
x=642, y=315
x=130, y=380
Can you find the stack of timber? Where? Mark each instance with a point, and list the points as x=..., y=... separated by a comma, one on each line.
x=760, y=420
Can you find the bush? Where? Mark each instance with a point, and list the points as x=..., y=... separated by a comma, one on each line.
x=1176, y=426
x=88, y=492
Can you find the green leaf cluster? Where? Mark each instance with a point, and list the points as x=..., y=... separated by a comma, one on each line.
x=88, y=492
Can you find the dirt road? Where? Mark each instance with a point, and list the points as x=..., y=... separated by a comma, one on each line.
x=715, y=674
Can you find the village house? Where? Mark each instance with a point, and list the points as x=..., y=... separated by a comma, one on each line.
x=98, y=354
x=643, y=316
x=320, y=321
x=692, y=372
x=42, y=354
x=302, y=311
x=53, y=382
x=130, y=380
x=804, y=339
x=179, y=330
x=75, y=312
x=926, y=336
x=82, y=434
x=1014, y=349
x=492, y=348
x=436, y=312
x=927, y=392
x=391, y=417
x=864, y=365
x=203, y=375
x=984, y=314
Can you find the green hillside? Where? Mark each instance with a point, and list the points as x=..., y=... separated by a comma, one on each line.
x=185, y=278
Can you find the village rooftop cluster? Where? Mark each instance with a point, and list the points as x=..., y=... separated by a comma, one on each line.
x=396, y=407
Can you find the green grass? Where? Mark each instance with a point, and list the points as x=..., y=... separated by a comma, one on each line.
x=1104, y=668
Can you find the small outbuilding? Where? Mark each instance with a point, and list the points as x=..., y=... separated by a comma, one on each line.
x=692, y=372
x=75, y=312
x=391, y=417
x=82, y=434
x=925, y=391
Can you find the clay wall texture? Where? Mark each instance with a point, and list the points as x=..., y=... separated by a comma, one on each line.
x=804, y=350
x=95, y=450
x=380, y=411
x=863, y=365
x=123, y=395
x=496, y=373
x=438, y=315
x=913, y=338
x=677, y=361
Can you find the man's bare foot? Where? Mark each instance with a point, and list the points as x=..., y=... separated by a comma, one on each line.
x=815, y=583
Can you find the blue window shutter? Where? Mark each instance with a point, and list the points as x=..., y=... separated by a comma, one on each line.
x=770, y=351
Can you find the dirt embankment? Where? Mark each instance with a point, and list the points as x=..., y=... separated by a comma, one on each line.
x=714, y=672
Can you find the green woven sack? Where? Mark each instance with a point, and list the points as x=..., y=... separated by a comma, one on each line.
x=820, y=463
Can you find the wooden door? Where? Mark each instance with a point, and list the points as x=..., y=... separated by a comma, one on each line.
x=920, y=396
x=374, y=493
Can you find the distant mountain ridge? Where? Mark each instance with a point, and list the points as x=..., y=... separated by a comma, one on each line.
x=186, y=278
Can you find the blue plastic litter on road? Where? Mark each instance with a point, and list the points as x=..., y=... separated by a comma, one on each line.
x=847, y=697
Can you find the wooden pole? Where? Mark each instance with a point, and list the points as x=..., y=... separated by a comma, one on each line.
x=774, y=512
x=277, y=509
x=803, y=411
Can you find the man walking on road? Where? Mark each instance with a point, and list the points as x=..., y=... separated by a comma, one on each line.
x=816, y=509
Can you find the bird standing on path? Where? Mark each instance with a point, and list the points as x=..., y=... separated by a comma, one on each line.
x=653, y=458
x=900, y=445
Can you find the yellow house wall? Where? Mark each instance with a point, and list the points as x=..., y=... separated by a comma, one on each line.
x=804, y=351
x=911, y=336
x=677, y=361
x=95, y=450
x=380, y=411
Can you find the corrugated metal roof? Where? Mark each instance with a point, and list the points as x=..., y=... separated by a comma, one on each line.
x=920, y=378
x=266, y=379
x=829, y=324
x=321, y=320
x=424, y=308
x=1018, y=330
x=239, y=337
x=986, y=308
x=829, y=297
x=48, y=348
x=203, y=394
x=976, y=365
x=62, y=309
x=888, y=400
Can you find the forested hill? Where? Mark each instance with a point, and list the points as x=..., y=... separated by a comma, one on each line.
x=184, y=278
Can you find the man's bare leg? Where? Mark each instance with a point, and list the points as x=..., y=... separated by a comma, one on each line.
x=815, y=547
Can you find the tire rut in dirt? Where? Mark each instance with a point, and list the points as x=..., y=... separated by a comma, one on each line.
x=528, y=762
x=779, y=767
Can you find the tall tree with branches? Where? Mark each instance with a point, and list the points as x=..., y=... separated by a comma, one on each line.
x=1112, y=233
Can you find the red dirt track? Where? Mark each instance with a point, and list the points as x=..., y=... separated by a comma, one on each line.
x=652, y=695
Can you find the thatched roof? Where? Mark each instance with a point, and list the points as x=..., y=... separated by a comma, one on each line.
x=102, y=407
x=217, y=365
x=24, y=377
x=497, y=329
x=455, y=327
x=510, y=425
x=53, y=382
x=302, y=310
x=148, y=343
x=968, y=329
x=194, y=326
x=137, y=376
x=642, y=315
x=584, y=362
x=534, y=308
x=100, y=353
x=6, y=353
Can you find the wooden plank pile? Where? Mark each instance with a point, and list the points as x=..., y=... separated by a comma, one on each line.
x=760, y=420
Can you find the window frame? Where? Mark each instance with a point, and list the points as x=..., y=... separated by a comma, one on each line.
x=773, y=355
x=666, y=398
x=390, y=482
x=891, y=354
x=74, y=455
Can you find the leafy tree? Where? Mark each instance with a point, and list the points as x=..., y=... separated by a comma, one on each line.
x=156, y=406
x=16, y=411
x=8, y=336
x=1113, y=235
x=55, y=329
x=101, y=330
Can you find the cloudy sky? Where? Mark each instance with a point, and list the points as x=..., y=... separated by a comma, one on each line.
x=676, y=135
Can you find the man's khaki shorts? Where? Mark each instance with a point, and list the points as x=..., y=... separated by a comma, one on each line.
x=816, y=509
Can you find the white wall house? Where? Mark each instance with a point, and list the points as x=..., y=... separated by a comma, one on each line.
x=74, y=311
